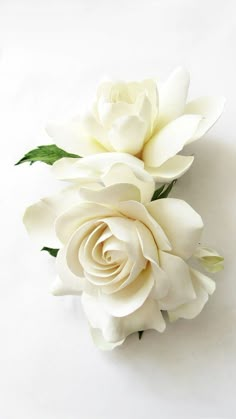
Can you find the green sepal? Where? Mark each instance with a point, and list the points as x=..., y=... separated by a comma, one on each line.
x=51, y=251
x=163, y=191
x=140, y=334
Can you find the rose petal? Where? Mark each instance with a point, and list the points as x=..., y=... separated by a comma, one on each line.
x=66, y=283
x=90, y=168
x=39, y=218
x=71, y=137
x=181, y=289
x=150, y=252
x=137, y=211
x=110, y=112
x=130, y=298
x=111, y=194
x=202, y=286
x=182, y=225
x=93, y=129
x=128, y=134
x=76, y=216
x=210, y=108
x=110, y=331
x=122, y=173
x=170, y=140
x=101, y=343
x=172, y=169
x=172, y=96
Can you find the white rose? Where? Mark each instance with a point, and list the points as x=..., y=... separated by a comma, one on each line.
x=146, y=119
x=128, y=259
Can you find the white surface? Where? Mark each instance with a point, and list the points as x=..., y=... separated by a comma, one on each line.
x=52, y=55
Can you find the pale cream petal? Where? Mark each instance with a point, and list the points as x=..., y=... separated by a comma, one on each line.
x=172, y=169
x=137, y=211
x=70, y=137
x=170, y=140
x=93, y=129
x=39, y=218
x=128, y=134
x=76, y=216
x=110, y=112
x=172, y=96
x=66, y=283
x=150, y=252
x=143, y=109
x=91, y=168
x=181, y=290
x=111, y=195
x=182, y=225
x=130, y=298
x=121, y=173
x=210, y=108
x=109, y=331
x=202, y=286
x=101, y=343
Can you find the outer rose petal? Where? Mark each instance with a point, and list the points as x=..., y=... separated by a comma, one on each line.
x=39, y=218
x=90, y=168
x=182, y=225
x=111, y=194
x=181, y=289
x=170, y=140
x=210, y=108
x=109, y=331
x=128, y=134
x=172, y=96
x=122, y=173
x=71, y=137
x=67, y=283
x=172, y=169
x=202, y=286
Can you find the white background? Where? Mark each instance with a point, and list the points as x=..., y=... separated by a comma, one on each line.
x=52, y=55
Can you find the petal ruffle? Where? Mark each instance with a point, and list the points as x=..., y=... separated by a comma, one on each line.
x=170, y=140
x=130, y=298
x=182, y=225
x=111, y=195
x=172, y=96
x=210, y=108
x=66, y=283
x=39, y=218
x=181, y=290
x=70, y=137
x=128, y=134
x=172, y=169
x=109, y=331
x=203, y=286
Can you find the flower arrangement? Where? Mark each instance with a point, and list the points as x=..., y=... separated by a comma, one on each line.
x=119, y=241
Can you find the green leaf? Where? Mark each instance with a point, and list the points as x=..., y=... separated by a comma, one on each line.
x=140, y=334
x=45, y=153
x=158, y=192
x=52, y=252
x=163, y=191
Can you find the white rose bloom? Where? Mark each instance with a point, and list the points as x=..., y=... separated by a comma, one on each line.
x=149, y=120
x=127, y=259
